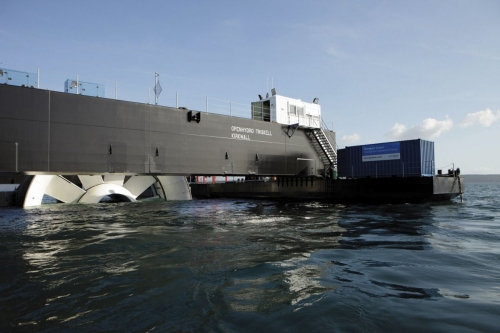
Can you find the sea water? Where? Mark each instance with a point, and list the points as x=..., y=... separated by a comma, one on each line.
x=253, y=265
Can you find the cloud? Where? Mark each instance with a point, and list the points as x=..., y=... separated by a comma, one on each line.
x=484, y=118
x=430, y=128
x=350, y=139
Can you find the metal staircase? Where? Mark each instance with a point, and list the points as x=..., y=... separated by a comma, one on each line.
x=324, y=147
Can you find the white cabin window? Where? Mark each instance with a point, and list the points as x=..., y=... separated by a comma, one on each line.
x=296, y=110
x=300, y=111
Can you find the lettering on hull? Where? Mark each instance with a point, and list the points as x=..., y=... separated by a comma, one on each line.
x=243, y=133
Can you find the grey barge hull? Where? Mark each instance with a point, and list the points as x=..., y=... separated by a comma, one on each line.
x=364, y=190
x=46, y=133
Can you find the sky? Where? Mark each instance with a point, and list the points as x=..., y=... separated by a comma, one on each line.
x=382, y=70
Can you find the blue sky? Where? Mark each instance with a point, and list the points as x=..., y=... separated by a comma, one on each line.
x=383, y=70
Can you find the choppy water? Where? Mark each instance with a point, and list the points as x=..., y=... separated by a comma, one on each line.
x=246, y=266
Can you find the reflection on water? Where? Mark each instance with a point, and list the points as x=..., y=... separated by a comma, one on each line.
x=396, y=225
x=228, y=265
x=268, y=287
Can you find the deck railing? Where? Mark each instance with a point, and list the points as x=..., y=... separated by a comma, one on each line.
x=146, y=95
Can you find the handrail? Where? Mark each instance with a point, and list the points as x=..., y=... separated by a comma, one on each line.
x=325, y=128
x=206, y=104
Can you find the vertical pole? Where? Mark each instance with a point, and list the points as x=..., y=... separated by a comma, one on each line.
x=116, y=90
x=77, y=84
x=17, y=160
x=38, y=78
x=48, y=139
x=177, y=99
x=288, y=111
x=155, y=88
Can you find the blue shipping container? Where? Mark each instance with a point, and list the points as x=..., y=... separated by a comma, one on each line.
x=18, y=78
x=411, y=158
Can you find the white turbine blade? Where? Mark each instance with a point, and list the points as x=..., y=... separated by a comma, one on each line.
x=175, y=187
x=138, y=184
x=89, y=181
x=114, y=179
x=63, y=190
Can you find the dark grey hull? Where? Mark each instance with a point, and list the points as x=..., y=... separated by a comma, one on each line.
x=45, y=132
x=52, y=133
x=373, y=191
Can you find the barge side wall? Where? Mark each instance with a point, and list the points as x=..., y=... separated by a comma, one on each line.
x=52, y=132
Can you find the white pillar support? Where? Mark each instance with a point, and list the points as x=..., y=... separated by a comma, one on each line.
x=36, y=190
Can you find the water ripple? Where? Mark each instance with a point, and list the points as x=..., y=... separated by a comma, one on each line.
x=256, y=265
